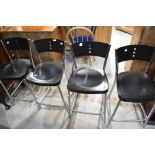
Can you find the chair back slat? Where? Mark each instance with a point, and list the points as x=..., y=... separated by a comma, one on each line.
x=90, y=49
x=49, y=45
x=16, y=43
x=135, y=52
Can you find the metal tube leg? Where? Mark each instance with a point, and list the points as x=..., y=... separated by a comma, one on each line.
x=137, y=115
x=31, y=91
x=112, y=88
x=16, y=88
x=113, y=113
x=101, y=114
x=63, y=100
x=105, y=106
x=69, y=102
x=108, y=108
x=99, y=120
x=12, y=101
x=150, y=114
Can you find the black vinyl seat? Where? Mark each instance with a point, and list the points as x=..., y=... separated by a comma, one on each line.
x=135, y=87
x=89, y=80
x=47, y=74
x=18, y=67
x=15, y=70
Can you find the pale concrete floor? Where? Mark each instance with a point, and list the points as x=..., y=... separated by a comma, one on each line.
x=26, y=115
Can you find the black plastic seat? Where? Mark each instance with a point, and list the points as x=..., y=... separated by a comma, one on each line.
x=47, y=74
x=88, y=81
x=15, y=70
x=134, y=86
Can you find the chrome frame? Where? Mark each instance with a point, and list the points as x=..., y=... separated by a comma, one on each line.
x=10, y=95
x=6, y=91
x=38, y=95
x=40, y=60
x=62, y=97
x=143, y=121
x=31, y=56
x=102, y=113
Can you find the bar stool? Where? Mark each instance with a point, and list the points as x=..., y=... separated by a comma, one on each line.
x=88, y=80
x=17, y=68
x=48, y=72
x=134, y=86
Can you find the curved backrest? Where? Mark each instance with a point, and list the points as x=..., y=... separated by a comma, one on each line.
x=49, y=45
x=90, y=49
x=79, y=34
x=135, y=52
x=16, y=43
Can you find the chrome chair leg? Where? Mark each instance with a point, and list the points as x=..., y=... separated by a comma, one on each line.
x=66, y=107
x=69, y=102
x=103, y=111
x=149, y=115
x=108, y=108
x=100, y=115
x=105, y=107
x=113, y=113
x=112, y=88
x=10, y=97
x=99, y=122
x=31, y=91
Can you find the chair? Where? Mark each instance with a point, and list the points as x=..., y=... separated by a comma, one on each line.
x=48, y=73
x=81, y=34
x=88, y=80
x=134, y=86
x=17, y=68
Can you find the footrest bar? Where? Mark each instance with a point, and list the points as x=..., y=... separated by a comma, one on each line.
x=15, y=98
x=55, y=107
x=82, y=112
x=128, y=120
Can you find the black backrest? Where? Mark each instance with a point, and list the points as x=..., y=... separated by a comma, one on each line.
x=134, y=52
x=90, y=48
x=49, y=45
x=16, y=43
